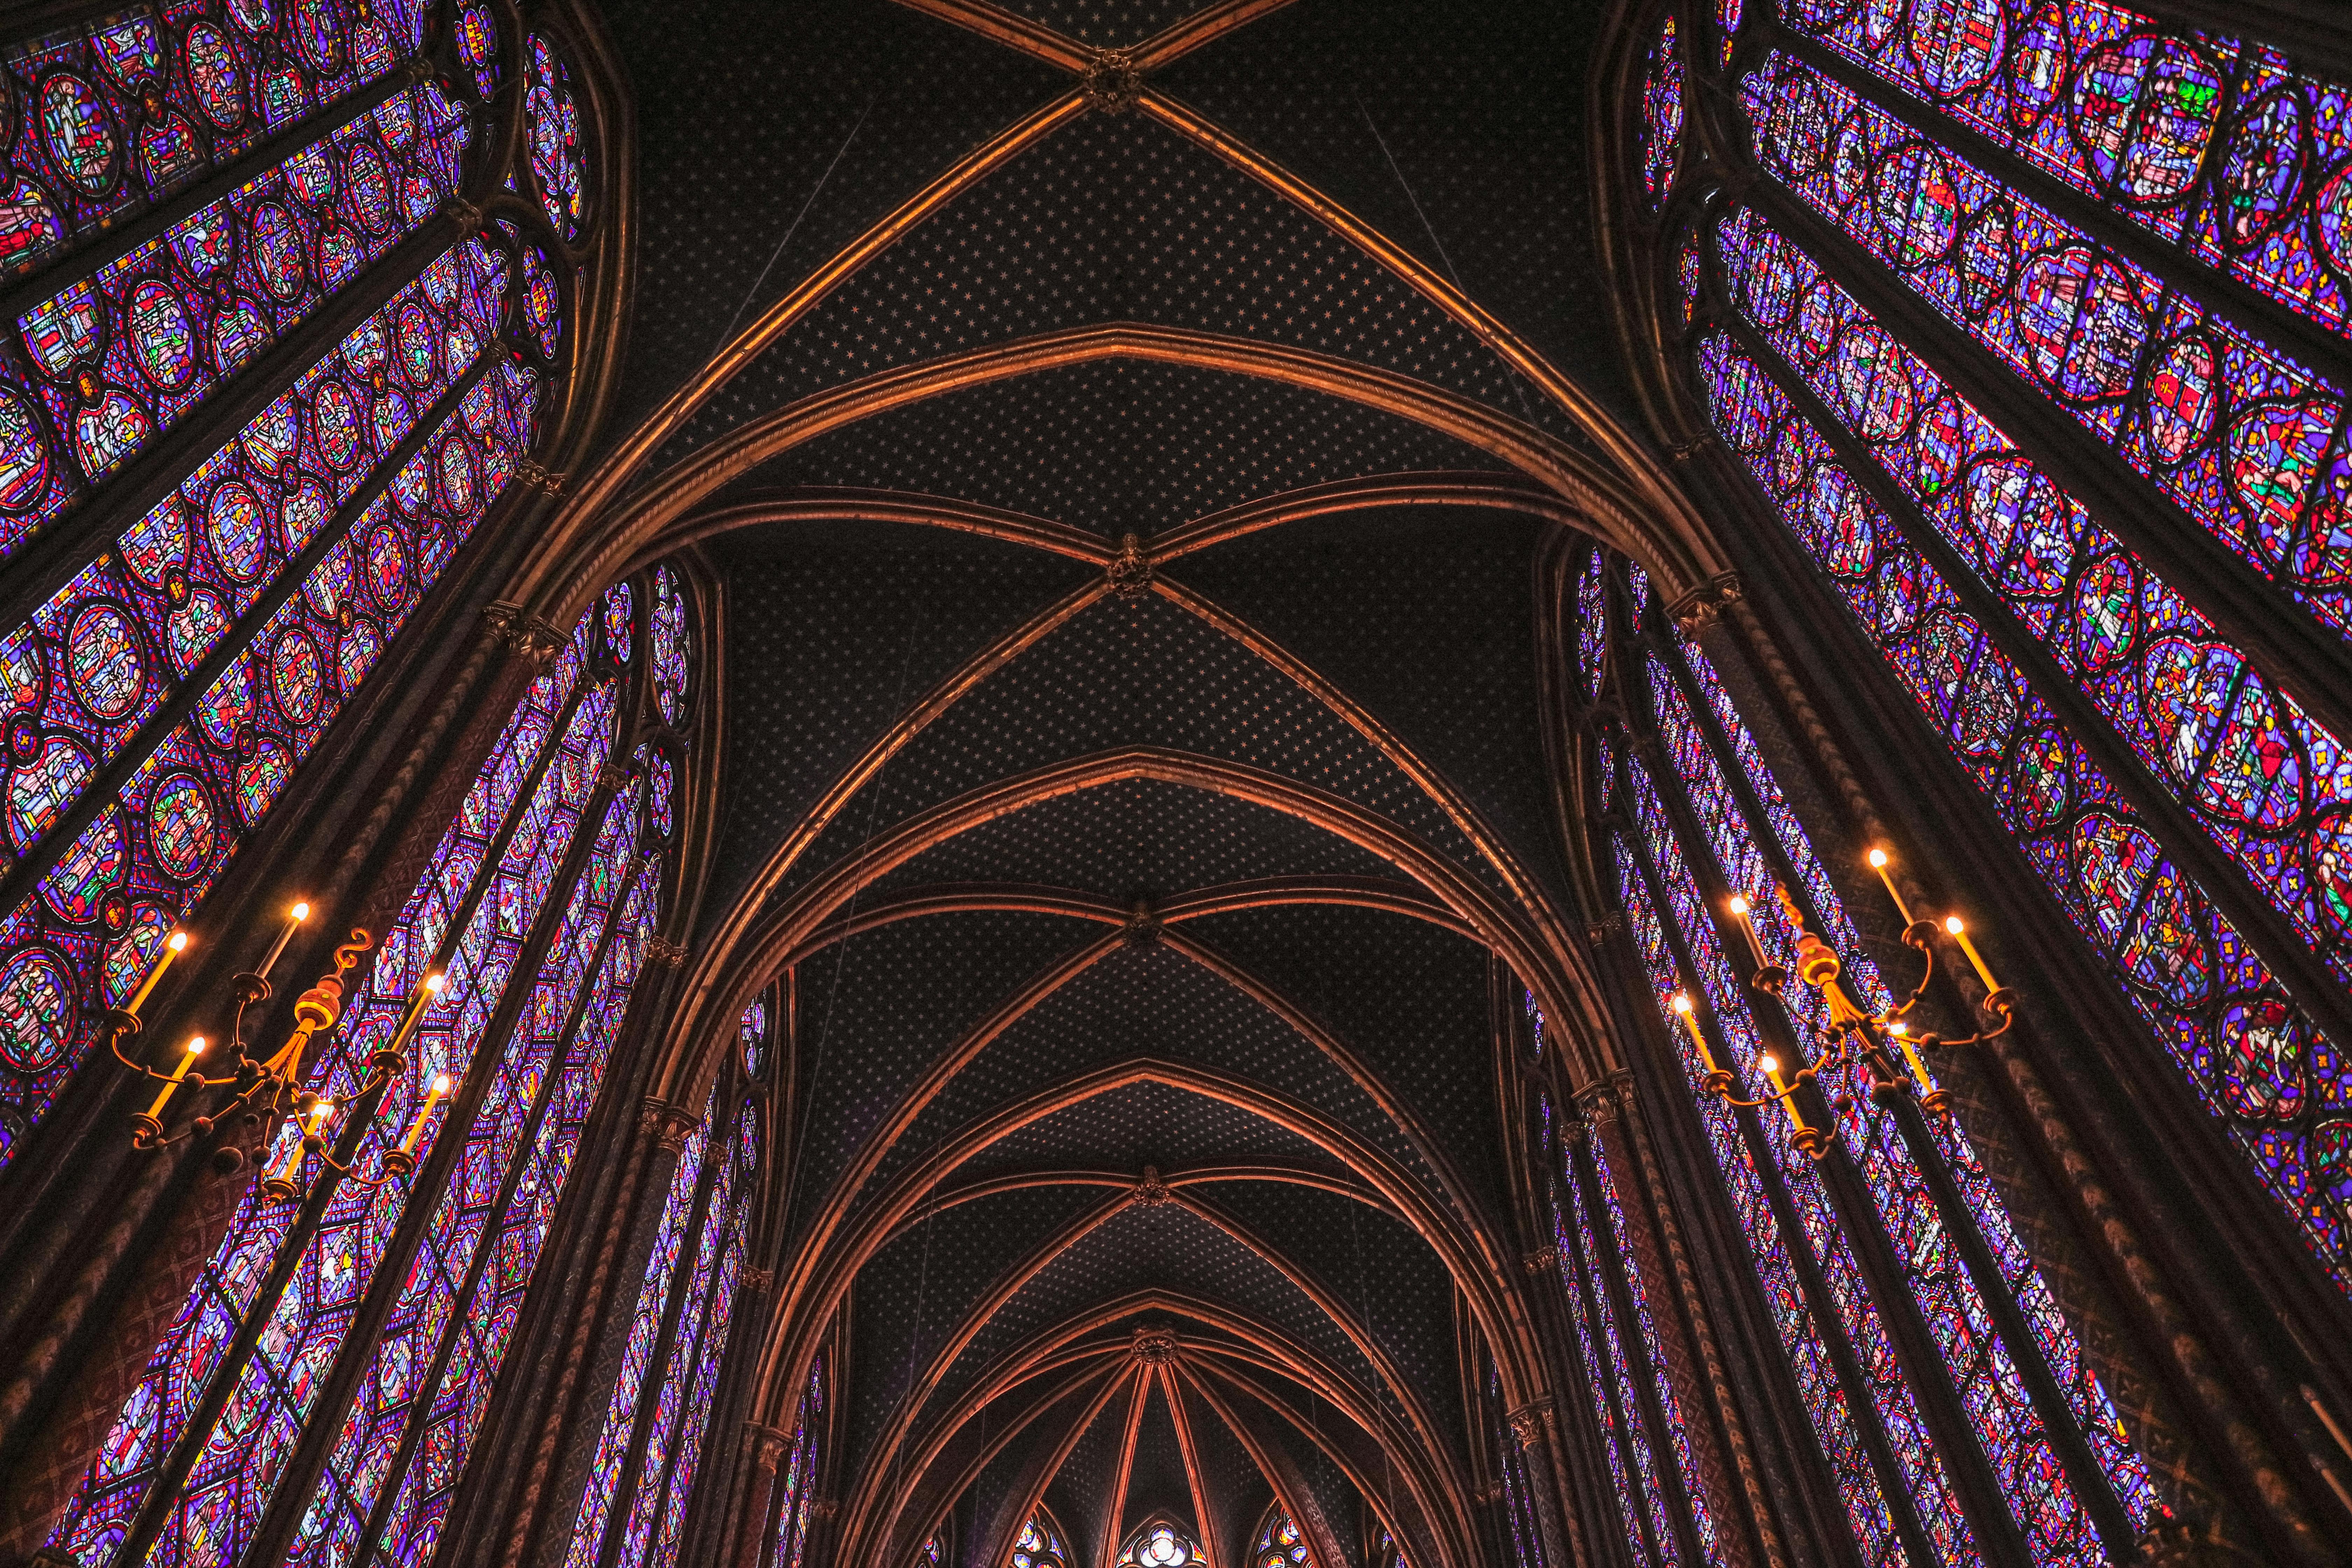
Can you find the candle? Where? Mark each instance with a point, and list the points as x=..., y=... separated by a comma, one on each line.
x=1690, y=1020
x=1878, y=863
x=416, y=1128
x=1902, y=1033
x=179, y=939
x=1961, y=934
x=426, y=989
x=294, y=919
x=187, y=1060
x=292, y=1160
x=1739, y=906
x=1772, y=1067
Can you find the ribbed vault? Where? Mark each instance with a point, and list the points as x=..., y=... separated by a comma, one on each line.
x=1130, y=653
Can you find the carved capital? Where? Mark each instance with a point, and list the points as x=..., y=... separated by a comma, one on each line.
x=668, y=954
x=1112, y=83
x=768, y=1446
x=1696, y=610
x=1129, y=571
x=1153, y=1343
x=533, y=638
x=666, y=1124
x=1527, y=1422
x=1603, y=1098
x=1541, y=1262
x=1150, y=1192
x=539, y=476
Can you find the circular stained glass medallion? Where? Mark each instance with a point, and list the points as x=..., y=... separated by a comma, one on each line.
x=161, y=335
x=335, y=423
x=35, y=1011
x=419, y=342
x=296, y=677
x=238, y=527
x=80, y=133
x=457, y=475
x=181, y=824
x=214, y=73
x=277, y=251
x=387, y=566
x=103, y=662
x=371, y=188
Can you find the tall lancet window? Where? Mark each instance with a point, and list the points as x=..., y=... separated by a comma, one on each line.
x=1949, y=1397
x=264, y=368
x=648, y=1455
x=797, y=1476
x=317, y=1398
x=2032, y=325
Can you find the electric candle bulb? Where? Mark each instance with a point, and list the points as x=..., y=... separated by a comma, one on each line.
x=172, y=948
x=187, y=1060
x=1681, y=1004
x=1953, y=924
x=1879, y=861
x=1738, y=906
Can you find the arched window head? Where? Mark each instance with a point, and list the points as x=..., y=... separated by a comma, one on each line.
x=1279, y=1543
x=1039, y=1546
x=1162, y=1544
x=2031, y=322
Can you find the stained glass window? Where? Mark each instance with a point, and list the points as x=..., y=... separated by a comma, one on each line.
x=1662, y=113
x=1040, y=1544
x=1709, y=821
x=1162, y=1543
x=796, y=1479
x=537, y=906
x=2069, y=240
x=156, y=705
x=1279, y=1543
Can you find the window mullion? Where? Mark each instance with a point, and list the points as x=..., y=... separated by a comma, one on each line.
x=496, y=1041
x=162, y=1494
x=2060, y=1424
x=1862, y=1404
x=2266, y=318
x=2223, y=880
x=649, y=1385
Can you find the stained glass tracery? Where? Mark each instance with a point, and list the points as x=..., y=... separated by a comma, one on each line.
x=2139, y=230
x=545, y=890
x=1279, y=1543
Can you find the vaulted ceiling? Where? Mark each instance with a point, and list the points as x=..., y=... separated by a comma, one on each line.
x=1134, y=561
